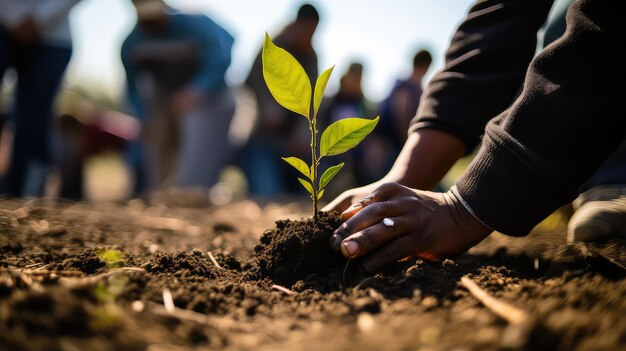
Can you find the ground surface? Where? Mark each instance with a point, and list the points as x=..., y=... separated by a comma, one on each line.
x=93, y=277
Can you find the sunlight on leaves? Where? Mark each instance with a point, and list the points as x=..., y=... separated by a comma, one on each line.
x=329, y=174
x=286, y=79
x=306, y=185
x=299, y=165
x=320, y=87
x=345, y=134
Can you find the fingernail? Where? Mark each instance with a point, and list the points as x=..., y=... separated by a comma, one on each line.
x=335, y=242
x=351, y=248
x=354, y=206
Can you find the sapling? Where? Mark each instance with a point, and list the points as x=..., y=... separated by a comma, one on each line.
x=290, y=86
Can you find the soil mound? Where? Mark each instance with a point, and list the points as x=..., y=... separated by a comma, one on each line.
x=296, y=249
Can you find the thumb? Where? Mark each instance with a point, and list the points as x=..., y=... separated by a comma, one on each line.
x=339, y=204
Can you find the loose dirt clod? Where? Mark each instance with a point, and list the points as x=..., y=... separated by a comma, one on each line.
x=296, y=249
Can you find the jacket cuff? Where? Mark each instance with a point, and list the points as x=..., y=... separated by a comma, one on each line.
x=455, y=191
x=508, y=188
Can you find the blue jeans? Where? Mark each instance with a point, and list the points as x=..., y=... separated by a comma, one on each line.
x=269, y=177
x=262, y=167
x=40, y=69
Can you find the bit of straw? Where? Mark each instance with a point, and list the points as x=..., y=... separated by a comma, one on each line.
x=502, y=309
x=283, y=289
x=213, y=259
x=34, y=265
x=168, y=301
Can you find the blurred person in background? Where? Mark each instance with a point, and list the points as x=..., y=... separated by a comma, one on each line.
x=278, y=132
x=175, y=65
x=535, y=154
x=399, y=107
x=348, y=102
x=35, y=40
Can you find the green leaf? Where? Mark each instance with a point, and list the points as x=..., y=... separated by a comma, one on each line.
x=320, y=87
x=320, y=194
x=286, y=79
x=113, y=258
x=329, y=174
x=299, y=165
x=345, y=134
x=306, y=185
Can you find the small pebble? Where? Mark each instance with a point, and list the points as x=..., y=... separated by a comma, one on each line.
x=137, y=305
x=365, y=322
x=448, y=263
x=153, y=248
x=417, y=295
x=429, y=302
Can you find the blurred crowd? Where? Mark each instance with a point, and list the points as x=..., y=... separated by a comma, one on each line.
x=174, y=125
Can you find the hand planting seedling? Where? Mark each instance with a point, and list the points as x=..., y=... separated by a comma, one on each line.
x=290, y=86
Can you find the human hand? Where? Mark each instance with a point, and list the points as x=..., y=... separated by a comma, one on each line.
x=185, y=101
x=348, y=197
x=26, y=31
x=429, y=225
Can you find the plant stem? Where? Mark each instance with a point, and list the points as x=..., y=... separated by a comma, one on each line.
x=314, y=164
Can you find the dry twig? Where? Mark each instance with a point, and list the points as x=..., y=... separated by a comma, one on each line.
x=213, y=259
x=168, y=301
x=502, y=309
x=96, y=278
x=283, y=289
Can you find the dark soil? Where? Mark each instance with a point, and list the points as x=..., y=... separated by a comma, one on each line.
x=75, y=276
x=296, y=249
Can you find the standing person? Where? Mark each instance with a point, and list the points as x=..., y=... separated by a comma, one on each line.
x=535, y=154
x=35, y=39
x=175, y=65
x=279, y=132
x=399, y=107
x=350, y=101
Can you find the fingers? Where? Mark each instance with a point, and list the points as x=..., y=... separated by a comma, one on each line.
x=339, y=204
x=366, y=217
x=370, y=238
x=382, y=193
x=393, y=251
x=357, y=206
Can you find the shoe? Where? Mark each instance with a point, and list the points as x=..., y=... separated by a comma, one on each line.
x=600, y=214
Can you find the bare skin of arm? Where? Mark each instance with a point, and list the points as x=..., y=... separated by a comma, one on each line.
x=426, y=157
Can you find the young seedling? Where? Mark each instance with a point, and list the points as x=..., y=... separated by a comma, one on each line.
x=290, y=86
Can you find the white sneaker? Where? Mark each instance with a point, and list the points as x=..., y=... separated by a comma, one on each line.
x=600, y=214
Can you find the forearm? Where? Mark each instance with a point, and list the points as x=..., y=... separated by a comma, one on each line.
x=484, y=69
x=568, y=119
x=426, y=157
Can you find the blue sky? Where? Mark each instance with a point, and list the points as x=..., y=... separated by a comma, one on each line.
x=382, y=34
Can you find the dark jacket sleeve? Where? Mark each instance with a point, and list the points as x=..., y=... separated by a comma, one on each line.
x=484, y=70
x=568, y=119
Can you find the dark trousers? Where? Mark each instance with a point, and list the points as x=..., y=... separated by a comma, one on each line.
x=39, y=69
